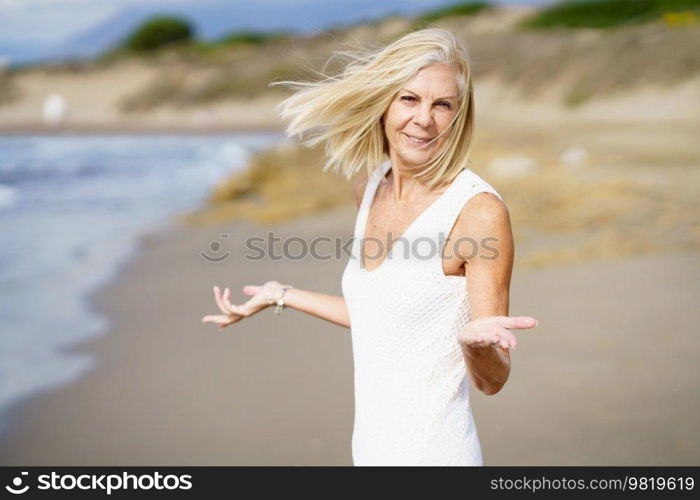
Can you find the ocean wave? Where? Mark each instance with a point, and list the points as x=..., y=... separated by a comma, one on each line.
x=8, y=195
x=88, y=200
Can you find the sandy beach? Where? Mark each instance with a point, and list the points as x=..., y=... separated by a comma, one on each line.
x=608, y=378
x=589, y=135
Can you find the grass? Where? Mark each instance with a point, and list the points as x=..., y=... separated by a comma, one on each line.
x=606, y=13
x=577, y=96
x=461, y=9
x=248, y=38
x=196, y=73
x=243, y=38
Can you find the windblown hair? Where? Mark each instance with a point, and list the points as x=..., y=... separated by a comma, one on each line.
x=346, y=111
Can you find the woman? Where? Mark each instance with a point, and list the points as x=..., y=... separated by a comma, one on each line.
x=429, y=321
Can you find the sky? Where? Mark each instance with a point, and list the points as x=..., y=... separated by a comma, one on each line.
x=30, y=28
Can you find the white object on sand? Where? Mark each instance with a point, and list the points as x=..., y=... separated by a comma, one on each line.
x=54, y=110
x=574, y=157
x=514, y=165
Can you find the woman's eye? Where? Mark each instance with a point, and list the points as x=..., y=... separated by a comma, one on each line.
x=407, y=98
x=446, y=104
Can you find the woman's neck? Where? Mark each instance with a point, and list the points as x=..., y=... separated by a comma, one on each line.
x=405, y=186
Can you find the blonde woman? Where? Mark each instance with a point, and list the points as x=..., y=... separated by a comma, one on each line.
x=425, y=293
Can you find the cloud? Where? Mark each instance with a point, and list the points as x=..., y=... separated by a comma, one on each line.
x=38, y=22
x=48, y=23
x=45, y=22
x=35, y=22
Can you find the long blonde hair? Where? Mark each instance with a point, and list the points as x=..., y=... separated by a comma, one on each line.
x=345, y=111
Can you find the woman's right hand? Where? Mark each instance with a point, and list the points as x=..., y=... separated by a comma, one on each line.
x=232, y=313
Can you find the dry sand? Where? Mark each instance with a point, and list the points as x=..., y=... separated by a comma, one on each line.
x=609, y=377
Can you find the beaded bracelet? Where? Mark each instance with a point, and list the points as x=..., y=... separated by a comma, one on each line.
x=280, y=301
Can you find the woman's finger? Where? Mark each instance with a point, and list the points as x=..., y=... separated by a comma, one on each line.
x=504, y=336
x=498, y=339
x=219, y=319
x=215, y=318
x=219, y=300
x=517, y=321
x=510, y=342
x=493, y=339
x=230, y=308
x=250, y=290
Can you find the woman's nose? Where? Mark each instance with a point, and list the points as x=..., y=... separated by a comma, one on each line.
x=423, y=116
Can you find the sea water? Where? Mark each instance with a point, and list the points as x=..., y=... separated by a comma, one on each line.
x=71, y=210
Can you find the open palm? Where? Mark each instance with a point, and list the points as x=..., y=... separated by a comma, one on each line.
x=232, y=313
x=493, y=330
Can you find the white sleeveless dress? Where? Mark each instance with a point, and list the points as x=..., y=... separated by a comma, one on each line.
x=411, y=384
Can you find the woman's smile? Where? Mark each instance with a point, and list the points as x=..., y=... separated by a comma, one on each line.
x=416, y=141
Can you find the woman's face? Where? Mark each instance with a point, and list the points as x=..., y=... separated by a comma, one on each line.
x=420, y=111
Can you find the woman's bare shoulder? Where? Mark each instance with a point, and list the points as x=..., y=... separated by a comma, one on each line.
x=484, y=215
x=484, y=219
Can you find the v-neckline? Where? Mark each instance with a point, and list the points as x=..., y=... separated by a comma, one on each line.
x=407, y=230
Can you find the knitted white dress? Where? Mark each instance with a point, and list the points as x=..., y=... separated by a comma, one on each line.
x=411, y=384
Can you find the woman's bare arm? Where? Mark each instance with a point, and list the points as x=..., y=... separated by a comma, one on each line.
x=320, y=305
x=485, y=220
x=328, y=307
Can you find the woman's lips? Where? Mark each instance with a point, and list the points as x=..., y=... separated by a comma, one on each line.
x=416, y=140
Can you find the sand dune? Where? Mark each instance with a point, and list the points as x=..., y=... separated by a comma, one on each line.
x=648, y=72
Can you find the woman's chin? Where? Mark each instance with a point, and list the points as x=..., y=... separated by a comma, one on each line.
x=415, y=156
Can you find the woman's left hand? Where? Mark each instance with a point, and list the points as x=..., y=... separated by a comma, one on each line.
x=492, y=330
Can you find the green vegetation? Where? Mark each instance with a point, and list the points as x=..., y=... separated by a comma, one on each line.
x=606, y=13
x=577, y=96
x=241, y=65
x=173, y=33
x=462, y=9
x=157, y=32
x=249, y=37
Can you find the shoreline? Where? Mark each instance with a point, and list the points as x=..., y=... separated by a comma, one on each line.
x=93, y=255
x=111, y=300
x=138, y=245
x=166, y=390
